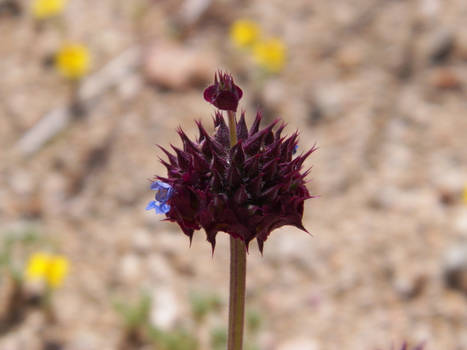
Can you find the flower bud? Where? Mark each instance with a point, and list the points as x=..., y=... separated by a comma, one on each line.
x=223, y=94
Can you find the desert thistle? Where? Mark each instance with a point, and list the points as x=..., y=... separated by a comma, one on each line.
x=405, y=346
x=243, y=181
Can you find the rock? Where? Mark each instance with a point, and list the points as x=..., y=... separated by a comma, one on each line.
x=159, y=269
x=455, y=267
x=177, y=67
x=10, y=8
x=461, y=45
x=274, y=94
x=164, y=308
x=130, y=87
x=130, y=268
x=330, y=99
x=142, y=241
x=298, y=344
x=84, y=340
x=25, y=336
x=21, y=182
x=291, y=247
x=430, y=8
x=441, y=46
x=460, y=222
x=266, y=340
x=410, y=285
x=445, y=79
x=193, y=10
x=448, y=181
x=350, y=57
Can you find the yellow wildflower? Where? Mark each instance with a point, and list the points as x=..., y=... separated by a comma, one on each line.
x=270, y=54
x=37, y=266
x=57, y=271
x=244, y=33
x=42, y=9
x=73, y=61
x=52, y=269
x=465, y=195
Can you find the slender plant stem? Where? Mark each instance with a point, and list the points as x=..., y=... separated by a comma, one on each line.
x=237, y=273
x=232, y=128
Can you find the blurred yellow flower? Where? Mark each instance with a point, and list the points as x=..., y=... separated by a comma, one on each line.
x=42, y=9
x=465, y=195
x=52, y=269
x=73, y=61
x=244, y=33
x=270, y=54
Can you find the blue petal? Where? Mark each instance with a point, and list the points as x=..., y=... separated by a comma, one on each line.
x=151, y=205
x=162, y=196
x=163, y=191
x=164, y=185
x=295, y=149
x=155, y=186
x=160, y=185
x=163, y=208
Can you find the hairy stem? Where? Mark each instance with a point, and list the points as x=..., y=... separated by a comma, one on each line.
x=237, y=273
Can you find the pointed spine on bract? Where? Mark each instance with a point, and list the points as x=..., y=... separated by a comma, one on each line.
x=247, y=190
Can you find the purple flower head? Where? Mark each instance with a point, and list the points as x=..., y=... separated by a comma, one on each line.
x=163, y=193
x=405, y=346
x=247, y=190
x=223, y=94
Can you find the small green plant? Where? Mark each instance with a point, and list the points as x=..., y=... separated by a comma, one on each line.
x=11, y=243
x=253, y=322
x=205, y=308
x=137, y=315
x=203, y=304
x=173, y=340
x=138, y=329
x=218, y=338
x=253, y=325
x=24, y=260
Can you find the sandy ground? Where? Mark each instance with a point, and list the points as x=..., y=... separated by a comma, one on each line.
x=378, y=85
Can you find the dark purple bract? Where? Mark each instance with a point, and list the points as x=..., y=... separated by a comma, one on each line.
x=246, y=191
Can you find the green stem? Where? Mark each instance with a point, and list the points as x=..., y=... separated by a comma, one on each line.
x=237, y=273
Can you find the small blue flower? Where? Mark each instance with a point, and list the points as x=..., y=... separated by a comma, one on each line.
x=163, y=193
x=161, y=208
x=295, y=149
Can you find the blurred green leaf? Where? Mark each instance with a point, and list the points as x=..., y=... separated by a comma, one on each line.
x=173, y=340
x=251, y=347
x=253, y=321
x=203, y=304
x=137, y=315
x=219, y=338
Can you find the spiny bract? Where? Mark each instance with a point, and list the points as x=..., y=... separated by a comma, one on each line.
x=247, y=190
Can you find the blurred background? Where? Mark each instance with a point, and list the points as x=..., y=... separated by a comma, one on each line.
x=88, y=88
